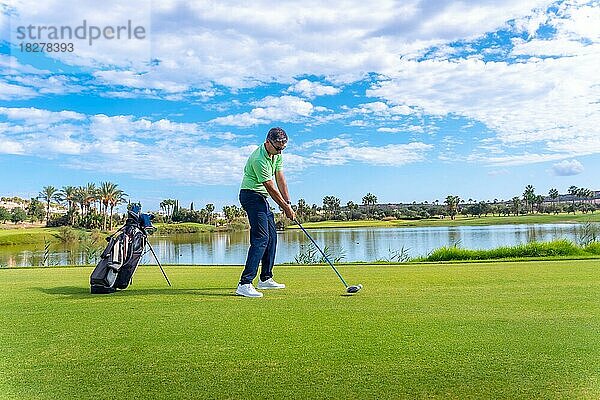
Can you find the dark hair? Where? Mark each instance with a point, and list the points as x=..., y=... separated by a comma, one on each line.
x=277, y=135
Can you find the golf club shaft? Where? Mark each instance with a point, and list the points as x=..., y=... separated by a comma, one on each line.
x=158, y=262
x=322, y=252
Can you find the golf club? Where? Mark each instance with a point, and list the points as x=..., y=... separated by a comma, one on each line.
x=349, y=289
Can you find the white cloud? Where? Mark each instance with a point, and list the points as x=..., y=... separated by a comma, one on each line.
x=529, y=99
x=567, y=168
x=403, y=128
x=546, y=101
x=243, y=45
x=29, y=116
x=166, y=149
x=141, y=147
x=389, y=155
x=312, y=89
x=342, y=150
x=555, y=47
x=139, y=81
x=515, y=159
x=330, y=143
x=8, y=146
x=498, y=172
x=270, y=108
x=9, y=65
x=9, y=92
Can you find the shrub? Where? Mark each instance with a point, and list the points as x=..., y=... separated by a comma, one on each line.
x=533, y=249
x=593, y=248
x=67, y=235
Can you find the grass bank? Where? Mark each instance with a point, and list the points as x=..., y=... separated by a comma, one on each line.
x=459, y=221
x=557, y=248
x=38, y=235
x=184, y=227
x=486, y=330
x=23, y=236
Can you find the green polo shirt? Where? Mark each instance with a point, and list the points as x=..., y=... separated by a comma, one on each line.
x=260, y=167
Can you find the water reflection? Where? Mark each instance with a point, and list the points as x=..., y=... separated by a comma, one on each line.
x=360, y=244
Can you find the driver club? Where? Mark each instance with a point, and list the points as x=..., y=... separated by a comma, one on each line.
x=349, y=289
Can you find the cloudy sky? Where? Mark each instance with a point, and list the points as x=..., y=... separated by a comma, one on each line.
x=409, y=100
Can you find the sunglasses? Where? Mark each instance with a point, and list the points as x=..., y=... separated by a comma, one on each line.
x=277, y=147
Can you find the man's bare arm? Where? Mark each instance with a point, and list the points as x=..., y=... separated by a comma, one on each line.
x=282, y=185
x=278, y=198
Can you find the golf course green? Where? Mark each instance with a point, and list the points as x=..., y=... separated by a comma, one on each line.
x=514, y=330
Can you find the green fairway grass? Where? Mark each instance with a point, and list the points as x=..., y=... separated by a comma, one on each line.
x=514, y=330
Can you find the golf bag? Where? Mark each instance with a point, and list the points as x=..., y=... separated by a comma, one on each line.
x=120, y=258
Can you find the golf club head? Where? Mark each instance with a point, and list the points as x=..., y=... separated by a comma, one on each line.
x=354, y=289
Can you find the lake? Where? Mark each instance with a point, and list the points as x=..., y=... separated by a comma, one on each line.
x=355, y=244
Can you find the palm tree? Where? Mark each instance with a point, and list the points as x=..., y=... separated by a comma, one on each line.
x=583, y=194
x=48, y=194
x=370, y=200
x=303, y=209
x=351, y=207
x=79, y=198
x=68, y=194
x=118, y=197
x=109, y=195
x=529, y=197
x=168, y=206
x=210, y=208
x=90, y=193
x=331, y=204
x=516, y=205
x=573, y=190
x=452, y=205
x=539, y=200
x=105, y=195
x=553, y=193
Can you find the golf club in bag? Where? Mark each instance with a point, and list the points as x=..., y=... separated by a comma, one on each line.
x=120, y=259
x=349, y=289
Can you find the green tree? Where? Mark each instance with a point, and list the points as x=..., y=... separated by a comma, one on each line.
x=48, y=194
x=303, y=210
x=210, y=208
x=553, y=193
x=18, y=215
x=516, y=205
x=330, y=205
x=79, y=199
x=573, y=191
x=232, y=212
x=88, y=195
x=4, y=214
x=118, y=197
x=529, y=197
x=168, y=207
x=352, y=209
x=68, y=194
x=538, y=201
x=35, y=210
x=452, y=205
x=110, y=196
x=370, y=200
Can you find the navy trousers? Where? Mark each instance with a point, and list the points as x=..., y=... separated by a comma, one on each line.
x=263, y=236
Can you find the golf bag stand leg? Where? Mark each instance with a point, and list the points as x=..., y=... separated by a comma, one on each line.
x=158, y=262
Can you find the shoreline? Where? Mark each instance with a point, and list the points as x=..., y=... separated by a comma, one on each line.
x=12, y=236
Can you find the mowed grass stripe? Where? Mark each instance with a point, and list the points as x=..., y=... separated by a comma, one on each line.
x=485, y=330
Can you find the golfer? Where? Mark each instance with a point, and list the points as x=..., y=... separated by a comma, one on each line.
x=264, y=164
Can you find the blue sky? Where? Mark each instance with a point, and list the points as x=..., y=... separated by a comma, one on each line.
x=410, y=101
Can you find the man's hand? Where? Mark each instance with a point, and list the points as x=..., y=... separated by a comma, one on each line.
x=289, y=212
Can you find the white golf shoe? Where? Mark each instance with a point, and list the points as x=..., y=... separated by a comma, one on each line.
x=247, y=290
x=270, y=284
